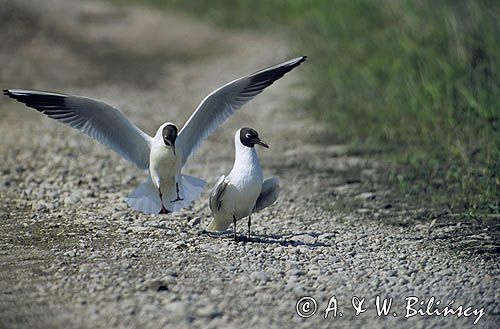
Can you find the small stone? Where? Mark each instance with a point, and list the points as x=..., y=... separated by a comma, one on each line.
x=70, y=200
x=209, y=311
x=368, y=173
x=326, y=236
x=314, y=271
x=215, y=291
x=126, y=265
x=297, y=272
x=71, y=253
x=176, y=309
x=88, y=193
x=157, y=285
x=4, y=183
x=139, y=229
x=118, y=215
x=130, y=252
x=39, y=206
x=259, y=276
x=195, y=222
x=366, y=196
x=169, y=279
x=305, y=238
x=294, y=286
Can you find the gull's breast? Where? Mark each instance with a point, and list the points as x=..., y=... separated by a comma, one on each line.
x=241, y=193
x=163, y=165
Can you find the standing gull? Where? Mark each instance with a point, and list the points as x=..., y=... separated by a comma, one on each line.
x=166, y=189
x=244, y=191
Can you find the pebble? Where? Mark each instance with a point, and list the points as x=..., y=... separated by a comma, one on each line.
x=71, y=253
x=139, y=229
x=169, y=279
x=130, y=252
x=209, y=311
x=176, y=309
x=305, y=238
x=259, y=276
x=326, y=236
x=366, y=196
x=195, y=222
x=40, y=206
x=71, y=200
x=157, y=285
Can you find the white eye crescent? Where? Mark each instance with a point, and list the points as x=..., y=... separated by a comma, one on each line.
x=247, y=135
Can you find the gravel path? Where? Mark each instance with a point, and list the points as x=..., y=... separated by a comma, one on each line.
x=73, y=255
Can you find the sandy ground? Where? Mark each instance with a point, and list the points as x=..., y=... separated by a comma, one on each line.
x=73, y=255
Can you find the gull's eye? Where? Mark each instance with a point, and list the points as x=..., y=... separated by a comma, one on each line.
x=248, y=135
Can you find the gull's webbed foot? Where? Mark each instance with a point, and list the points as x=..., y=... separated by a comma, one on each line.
x=164, y=210
x=178, y=197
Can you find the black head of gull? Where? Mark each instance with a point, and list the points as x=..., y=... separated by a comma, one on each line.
x=249, y=137
x=169, y=134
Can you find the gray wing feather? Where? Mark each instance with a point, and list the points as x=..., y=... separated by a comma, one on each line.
x=268, y=195
x=96, y=119
x=215, y=200
x=226, y=100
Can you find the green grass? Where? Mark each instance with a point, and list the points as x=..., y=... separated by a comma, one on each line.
x=415, y=83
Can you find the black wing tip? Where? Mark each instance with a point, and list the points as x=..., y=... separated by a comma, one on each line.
x=32, y=92
x=264, y=78
x=39, y=100
x=13, y=95
x=302, y=59
x=293, y=63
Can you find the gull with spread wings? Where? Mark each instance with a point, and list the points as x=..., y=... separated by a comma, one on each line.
x=166, y=189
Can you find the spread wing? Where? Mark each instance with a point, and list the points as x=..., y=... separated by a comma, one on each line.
x=226, y=100
x=215, y=201
x=96, y=119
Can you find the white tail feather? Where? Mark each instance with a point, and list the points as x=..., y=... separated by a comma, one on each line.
x=189, y=189
x=145, y=197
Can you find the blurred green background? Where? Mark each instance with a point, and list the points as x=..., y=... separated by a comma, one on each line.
x=413, y=83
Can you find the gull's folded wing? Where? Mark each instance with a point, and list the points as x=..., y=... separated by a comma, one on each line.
x=226, y=100
x=93, y=118
x=215, y=200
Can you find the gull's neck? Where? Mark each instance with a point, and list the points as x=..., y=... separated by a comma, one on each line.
x=246, y=159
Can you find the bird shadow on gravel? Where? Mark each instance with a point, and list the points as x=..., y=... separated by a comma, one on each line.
x=285, y=240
